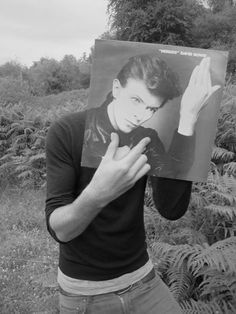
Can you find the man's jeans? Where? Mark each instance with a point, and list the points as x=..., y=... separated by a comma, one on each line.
x=152, y=297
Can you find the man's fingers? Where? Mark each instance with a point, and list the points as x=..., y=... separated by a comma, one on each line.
x=112, y=147
x=194, y=75
x=206, y=74
x=203, y=68
x=136, y=151
x=142, y=172
x=138, y=165
x=121, y=152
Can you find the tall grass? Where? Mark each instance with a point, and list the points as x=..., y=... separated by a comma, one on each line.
x=28, y=256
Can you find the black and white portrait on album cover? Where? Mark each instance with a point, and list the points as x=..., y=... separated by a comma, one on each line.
x=168, y=93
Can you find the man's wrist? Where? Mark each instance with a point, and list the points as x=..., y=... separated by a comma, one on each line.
x=95, y=199
x=187, y=124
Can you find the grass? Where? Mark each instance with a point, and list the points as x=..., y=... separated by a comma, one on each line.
x=28, y=255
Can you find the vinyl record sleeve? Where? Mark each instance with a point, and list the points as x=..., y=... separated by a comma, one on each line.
x=122, y=100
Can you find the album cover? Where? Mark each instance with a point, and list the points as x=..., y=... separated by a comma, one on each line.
x=170, y=94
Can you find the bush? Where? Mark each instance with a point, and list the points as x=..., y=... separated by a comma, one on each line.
x=14, y=91
x=23, y=130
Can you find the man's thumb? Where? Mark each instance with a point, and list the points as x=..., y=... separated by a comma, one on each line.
x=112, y=147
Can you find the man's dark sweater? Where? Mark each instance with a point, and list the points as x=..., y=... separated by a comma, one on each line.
x=114, y=242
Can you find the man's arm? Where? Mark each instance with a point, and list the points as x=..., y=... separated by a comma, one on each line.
x=171, y=197
x=119, y=174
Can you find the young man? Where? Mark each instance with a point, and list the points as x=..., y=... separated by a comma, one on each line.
x=97, y=215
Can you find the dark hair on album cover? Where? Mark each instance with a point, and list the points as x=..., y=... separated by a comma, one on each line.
x=158, y=77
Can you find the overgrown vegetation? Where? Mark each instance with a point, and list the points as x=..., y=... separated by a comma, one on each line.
x=196, y=255
x=23, y=131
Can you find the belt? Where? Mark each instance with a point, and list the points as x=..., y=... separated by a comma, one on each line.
x=151, y=275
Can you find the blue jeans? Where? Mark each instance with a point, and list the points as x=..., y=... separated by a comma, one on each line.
x=152, y=297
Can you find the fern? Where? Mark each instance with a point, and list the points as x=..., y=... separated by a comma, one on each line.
x=230, y=168
x=228, y=212
x=220, y=255
x=179, y=281
x=218, y=284
x=199, y=307
x=25, y=175
x=222, y=154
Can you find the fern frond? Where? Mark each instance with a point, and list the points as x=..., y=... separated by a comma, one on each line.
x=25, y=174
x=227, y=211
x=189, y=236
x=176, y=254
x=21, y=168
x=230, y=182
x=3, y=142
x=220, y=255
x=6, y=157
x=16, y=126
x=199, y=307
x=224, y=197
x=230, y=168
x=37, y=161
x=179, y=281
x=222, y=154
x=197, y=200
x=218, y=284
x=38, y=157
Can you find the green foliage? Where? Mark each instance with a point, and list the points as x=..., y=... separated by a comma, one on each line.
x=220, y=5
x=14, y=90
x=12, y=70
x=23, y=130
x=168, y=22
x=49, y=76
x=22, y=158
x=215, y=29
x=44, y=77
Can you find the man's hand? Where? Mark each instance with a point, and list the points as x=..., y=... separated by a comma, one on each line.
x=118, y=171
x=195, y=97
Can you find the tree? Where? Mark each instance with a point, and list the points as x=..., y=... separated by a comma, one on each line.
x=69, y=73
x=11, y=69
x=216, y=30
x=43, y=77
x=220, y=5
x=168, y=22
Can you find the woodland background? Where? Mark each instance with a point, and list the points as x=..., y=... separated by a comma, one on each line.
x=196, y=255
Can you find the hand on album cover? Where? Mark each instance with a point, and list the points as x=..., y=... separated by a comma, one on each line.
x=195, y=97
